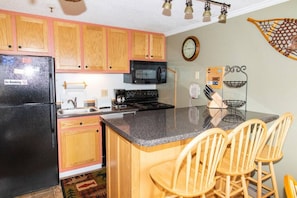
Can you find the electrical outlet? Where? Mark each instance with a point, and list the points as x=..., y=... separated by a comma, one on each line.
x=104, y=93
x=197, y=75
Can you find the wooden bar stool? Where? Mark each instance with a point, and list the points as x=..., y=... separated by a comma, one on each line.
x=272, y=152
x=239, y=159
x=192, y=174
x=290, y=185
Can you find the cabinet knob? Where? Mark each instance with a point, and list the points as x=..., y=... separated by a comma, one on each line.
x=86, y=66
x=78, y=66
x=80, y=123
x=9, y=46
x=110, y=67
x=97, y=130
x=20, y=47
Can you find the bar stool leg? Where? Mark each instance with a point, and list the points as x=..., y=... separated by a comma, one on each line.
x=273, y=179
x=259, y=185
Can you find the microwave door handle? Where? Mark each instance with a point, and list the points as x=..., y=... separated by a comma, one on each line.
x=159, y=74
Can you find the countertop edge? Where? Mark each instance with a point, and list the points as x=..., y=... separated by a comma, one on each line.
x=164, y=140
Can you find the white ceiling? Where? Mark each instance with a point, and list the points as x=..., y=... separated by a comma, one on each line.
x=134, y=14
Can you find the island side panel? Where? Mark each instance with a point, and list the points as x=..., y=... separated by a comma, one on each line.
x=118, y=164
x=128, y=166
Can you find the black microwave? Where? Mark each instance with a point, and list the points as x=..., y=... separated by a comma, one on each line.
x=146, y=72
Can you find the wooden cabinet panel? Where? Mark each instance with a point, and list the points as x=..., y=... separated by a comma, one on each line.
x=24, y=35
x=79, y=147
x=67, y=45
x=78, y=122
x=94, y=45
x=118, y=161
x=80, y=142
x=103, y=49
x=128, y=165
x=6, y=32
x=140, y=45
x=157, y=47
x=118, y=50
x=148, y=46
x=32, y=34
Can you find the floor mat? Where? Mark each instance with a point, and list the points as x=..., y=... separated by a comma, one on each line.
x=86, y=185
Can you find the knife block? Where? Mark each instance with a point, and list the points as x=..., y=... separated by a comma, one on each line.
x=217, y=102
x=217, y=115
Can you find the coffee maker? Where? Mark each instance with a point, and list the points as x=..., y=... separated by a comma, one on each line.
x=120, y=97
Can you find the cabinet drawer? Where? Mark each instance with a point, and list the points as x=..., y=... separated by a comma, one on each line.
x=66, y=123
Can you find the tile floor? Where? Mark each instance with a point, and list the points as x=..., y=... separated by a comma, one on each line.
x=53, y=192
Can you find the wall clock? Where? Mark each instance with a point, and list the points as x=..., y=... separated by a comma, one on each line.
x=190, y=48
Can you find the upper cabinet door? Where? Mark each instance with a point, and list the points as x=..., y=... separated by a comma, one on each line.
x=32, y=34
x=148, y=46
x=94, y=42
x=6, y=32
x=118, y=50
x=67, y=46
x=157, y=46
x=140, y=45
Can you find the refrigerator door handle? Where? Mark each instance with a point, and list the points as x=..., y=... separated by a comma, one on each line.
x=53, y=124
x=52, y=89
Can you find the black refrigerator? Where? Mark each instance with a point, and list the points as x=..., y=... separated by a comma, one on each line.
x=28, y=141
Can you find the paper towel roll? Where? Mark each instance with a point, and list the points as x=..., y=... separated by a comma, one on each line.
x=75, y=85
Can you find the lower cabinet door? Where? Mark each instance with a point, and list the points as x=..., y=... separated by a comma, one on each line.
x=80, y=147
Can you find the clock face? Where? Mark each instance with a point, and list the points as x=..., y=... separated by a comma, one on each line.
x=190, y=48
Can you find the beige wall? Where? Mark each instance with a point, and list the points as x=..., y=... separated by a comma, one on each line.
x=272, y=77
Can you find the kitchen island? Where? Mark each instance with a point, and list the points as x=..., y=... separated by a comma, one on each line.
x=136, y=141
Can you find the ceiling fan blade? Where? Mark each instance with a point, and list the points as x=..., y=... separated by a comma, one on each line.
x=73, y=7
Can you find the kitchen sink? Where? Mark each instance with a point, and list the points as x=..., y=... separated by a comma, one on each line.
x=77, y=111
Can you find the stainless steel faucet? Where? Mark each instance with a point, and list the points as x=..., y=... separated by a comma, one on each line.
x=74, y=102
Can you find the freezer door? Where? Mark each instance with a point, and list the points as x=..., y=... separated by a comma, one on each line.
x=28, y=149
x=26, y=79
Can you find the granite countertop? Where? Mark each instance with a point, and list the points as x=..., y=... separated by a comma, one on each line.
x=150, y=128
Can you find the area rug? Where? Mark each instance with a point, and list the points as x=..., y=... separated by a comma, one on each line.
x=85, y=186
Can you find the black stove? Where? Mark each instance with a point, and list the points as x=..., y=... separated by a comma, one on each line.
x=144, y=99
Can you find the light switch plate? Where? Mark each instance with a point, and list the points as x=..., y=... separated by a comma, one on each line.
x=104, y=93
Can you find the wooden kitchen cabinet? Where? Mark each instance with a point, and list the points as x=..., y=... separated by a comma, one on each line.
x=67, y=46
x=30, y=35
x=6, y=32
x=90, y=48
x=94, y=46
x=148, y=46
x=118, y=50
x=118, y=156
x=80, y=142
x=128, y=165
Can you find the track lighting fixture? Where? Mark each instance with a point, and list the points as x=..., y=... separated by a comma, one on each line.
x=223, y=16
x=167, y=8
x=189, y=10
x=206, y=14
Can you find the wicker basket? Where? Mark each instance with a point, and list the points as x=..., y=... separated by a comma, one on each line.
x=234, y=84
x=234, y=103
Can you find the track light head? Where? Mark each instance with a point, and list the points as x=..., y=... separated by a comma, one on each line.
x=189, y=10
x=167, y=8
x=223, y=16
x=206, y=14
